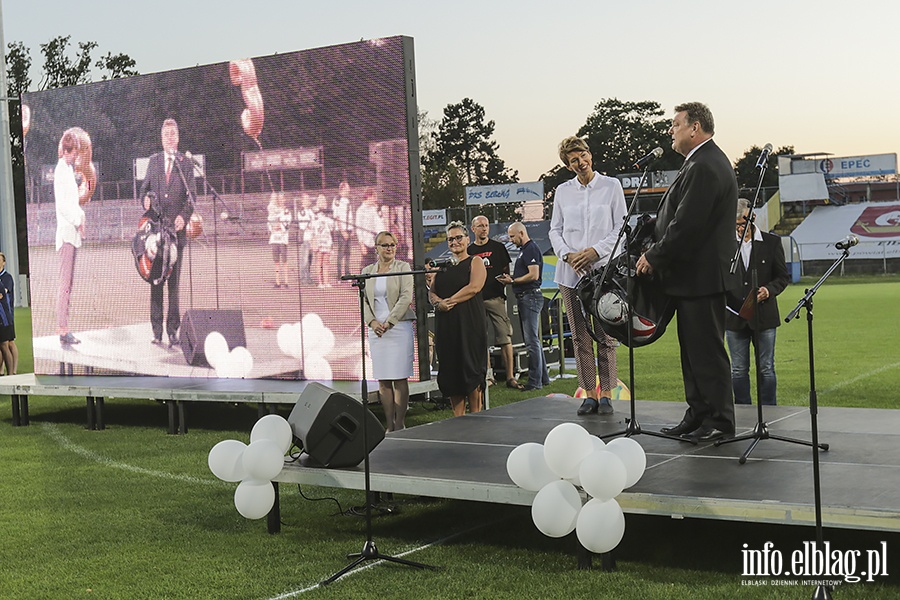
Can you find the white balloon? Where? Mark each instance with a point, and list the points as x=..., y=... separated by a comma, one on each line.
x=633, y=457
x=598, y=443
x=227, y=367
x=226, y=460
x=263, y=460
x=275, y=428
x=565, y=447
x=602, y=475
x=215, y=347
x=254, y=499
x=312, y=325
x=242, y=361
x=601, y=525
x=527, y=468
x=318, y=342
x=289, y=339
x=555, y=508
x=316, y=367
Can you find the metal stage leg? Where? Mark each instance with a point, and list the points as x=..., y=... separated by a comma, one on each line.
x=172, y=428
x=182, y=420
x=23, y=409
x=273, y=519
x=91, y=424
x=98, y=406
x=16, y=416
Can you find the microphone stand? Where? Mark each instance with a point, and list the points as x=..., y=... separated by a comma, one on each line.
x=822, y=592
x=187, y=239
x=210, y=190
x=761, y=429
x=632, y=426
x=369, y=550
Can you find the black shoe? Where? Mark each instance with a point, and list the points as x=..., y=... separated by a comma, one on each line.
x=174, y=341
x=68, y=339
x=605, y=407
x=157, y=341
x=588, y=407
x=710, y=434
x=530, y=388
x=683, y=428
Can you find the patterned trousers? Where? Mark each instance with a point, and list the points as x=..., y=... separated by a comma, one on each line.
x=589, y=364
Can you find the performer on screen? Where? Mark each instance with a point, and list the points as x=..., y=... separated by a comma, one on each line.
x=279, y=222
x=170, y=176
x=74, y=149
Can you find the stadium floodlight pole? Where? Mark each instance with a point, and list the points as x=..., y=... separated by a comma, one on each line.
x=822, y=592
x=369, y=550
x=8, y=236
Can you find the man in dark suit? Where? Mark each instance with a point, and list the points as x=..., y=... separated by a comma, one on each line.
x=691, y=256
x=170, y=178
x=763, y=253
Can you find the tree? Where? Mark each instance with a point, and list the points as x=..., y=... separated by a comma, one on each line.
x=747, y=174
x=59, y=70
x=464, y=153
x=618, y=133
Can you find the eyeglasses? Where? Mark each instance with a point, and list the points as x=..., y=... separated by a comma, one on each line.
x=387, y=245
x=455, y=238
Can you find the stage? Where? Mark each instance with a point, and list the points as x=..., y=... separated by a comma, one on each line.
x=465, y=458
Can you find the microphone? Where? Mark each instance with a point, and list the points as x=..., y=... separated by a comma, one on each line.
x=847, y=242
x=443, y=263
x=193, y=160
x=764, y=156
x=654, y=154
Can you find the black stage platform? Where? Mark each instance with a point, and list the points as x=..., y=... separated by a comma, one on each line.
x=465, y=458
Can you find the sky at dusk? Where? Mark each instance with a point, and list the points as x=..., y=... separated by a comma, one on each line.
x=820, y=76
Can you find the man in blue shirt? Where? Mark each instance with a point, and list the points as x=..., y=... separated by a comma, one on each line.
x=526, y=285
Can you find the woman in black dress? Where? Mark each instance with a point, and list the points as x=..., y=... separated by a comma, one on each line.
x=459, y=330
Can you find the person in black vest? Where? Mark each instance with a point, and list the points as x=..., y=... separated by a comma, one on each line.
x=692, y=257
x=764, y=253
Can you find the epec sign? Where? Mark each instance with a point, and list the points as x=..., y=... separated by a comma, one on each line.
x=859, y=166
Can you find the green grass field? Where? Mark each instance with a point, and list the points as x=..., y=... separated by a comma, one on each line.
x=130, y=512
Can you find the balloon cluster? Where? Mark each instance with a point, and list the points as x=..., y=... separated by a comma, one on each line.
x=570, y=458
x=254, y=465
x=233, y=364
x=308, y=341
x=243, y=74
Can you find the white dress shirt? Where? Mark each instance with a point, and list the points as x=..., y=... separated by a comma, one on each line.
x=69, y=214
x=586, y=216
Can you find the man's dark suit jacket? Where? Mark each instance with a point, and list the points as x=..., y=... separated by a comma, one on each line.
x=695, y=238
x=172, y=197
x=771, y=272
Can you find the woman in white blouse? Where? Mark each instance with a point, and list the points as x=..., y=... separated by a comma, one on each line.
x=588, y=212
x=389, y=317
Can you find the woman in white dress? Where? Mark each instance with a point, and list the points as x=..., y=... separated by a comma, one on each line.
x=390, y=318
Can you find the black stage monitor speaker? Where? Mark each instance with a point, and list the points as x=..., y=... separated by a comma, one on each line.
x=197, y=324
x=328, y=425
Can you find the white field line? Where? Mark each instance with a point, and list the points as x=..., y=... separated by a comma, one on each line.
x=67, y=444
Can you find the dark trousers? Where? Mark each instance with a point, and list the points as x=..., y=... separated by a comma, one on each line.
x=173, y=320
x=342, y=251
x=704, y=362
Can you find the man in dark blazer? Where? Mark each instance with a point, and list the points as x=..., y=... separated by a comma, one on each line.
x=763, y=253
x=170, y=178
x=691, y=256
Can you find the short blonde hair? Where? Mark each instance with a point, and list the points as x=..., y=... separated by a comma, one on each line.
x=573, y=143
x=383, y=234
x=456, y=225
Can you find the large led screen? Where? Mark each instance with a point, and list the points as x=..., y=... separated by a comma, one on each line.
x=226, y=199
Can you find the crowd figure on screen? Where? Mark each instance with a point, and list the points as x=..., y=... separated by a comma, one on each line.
x=279, y=223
